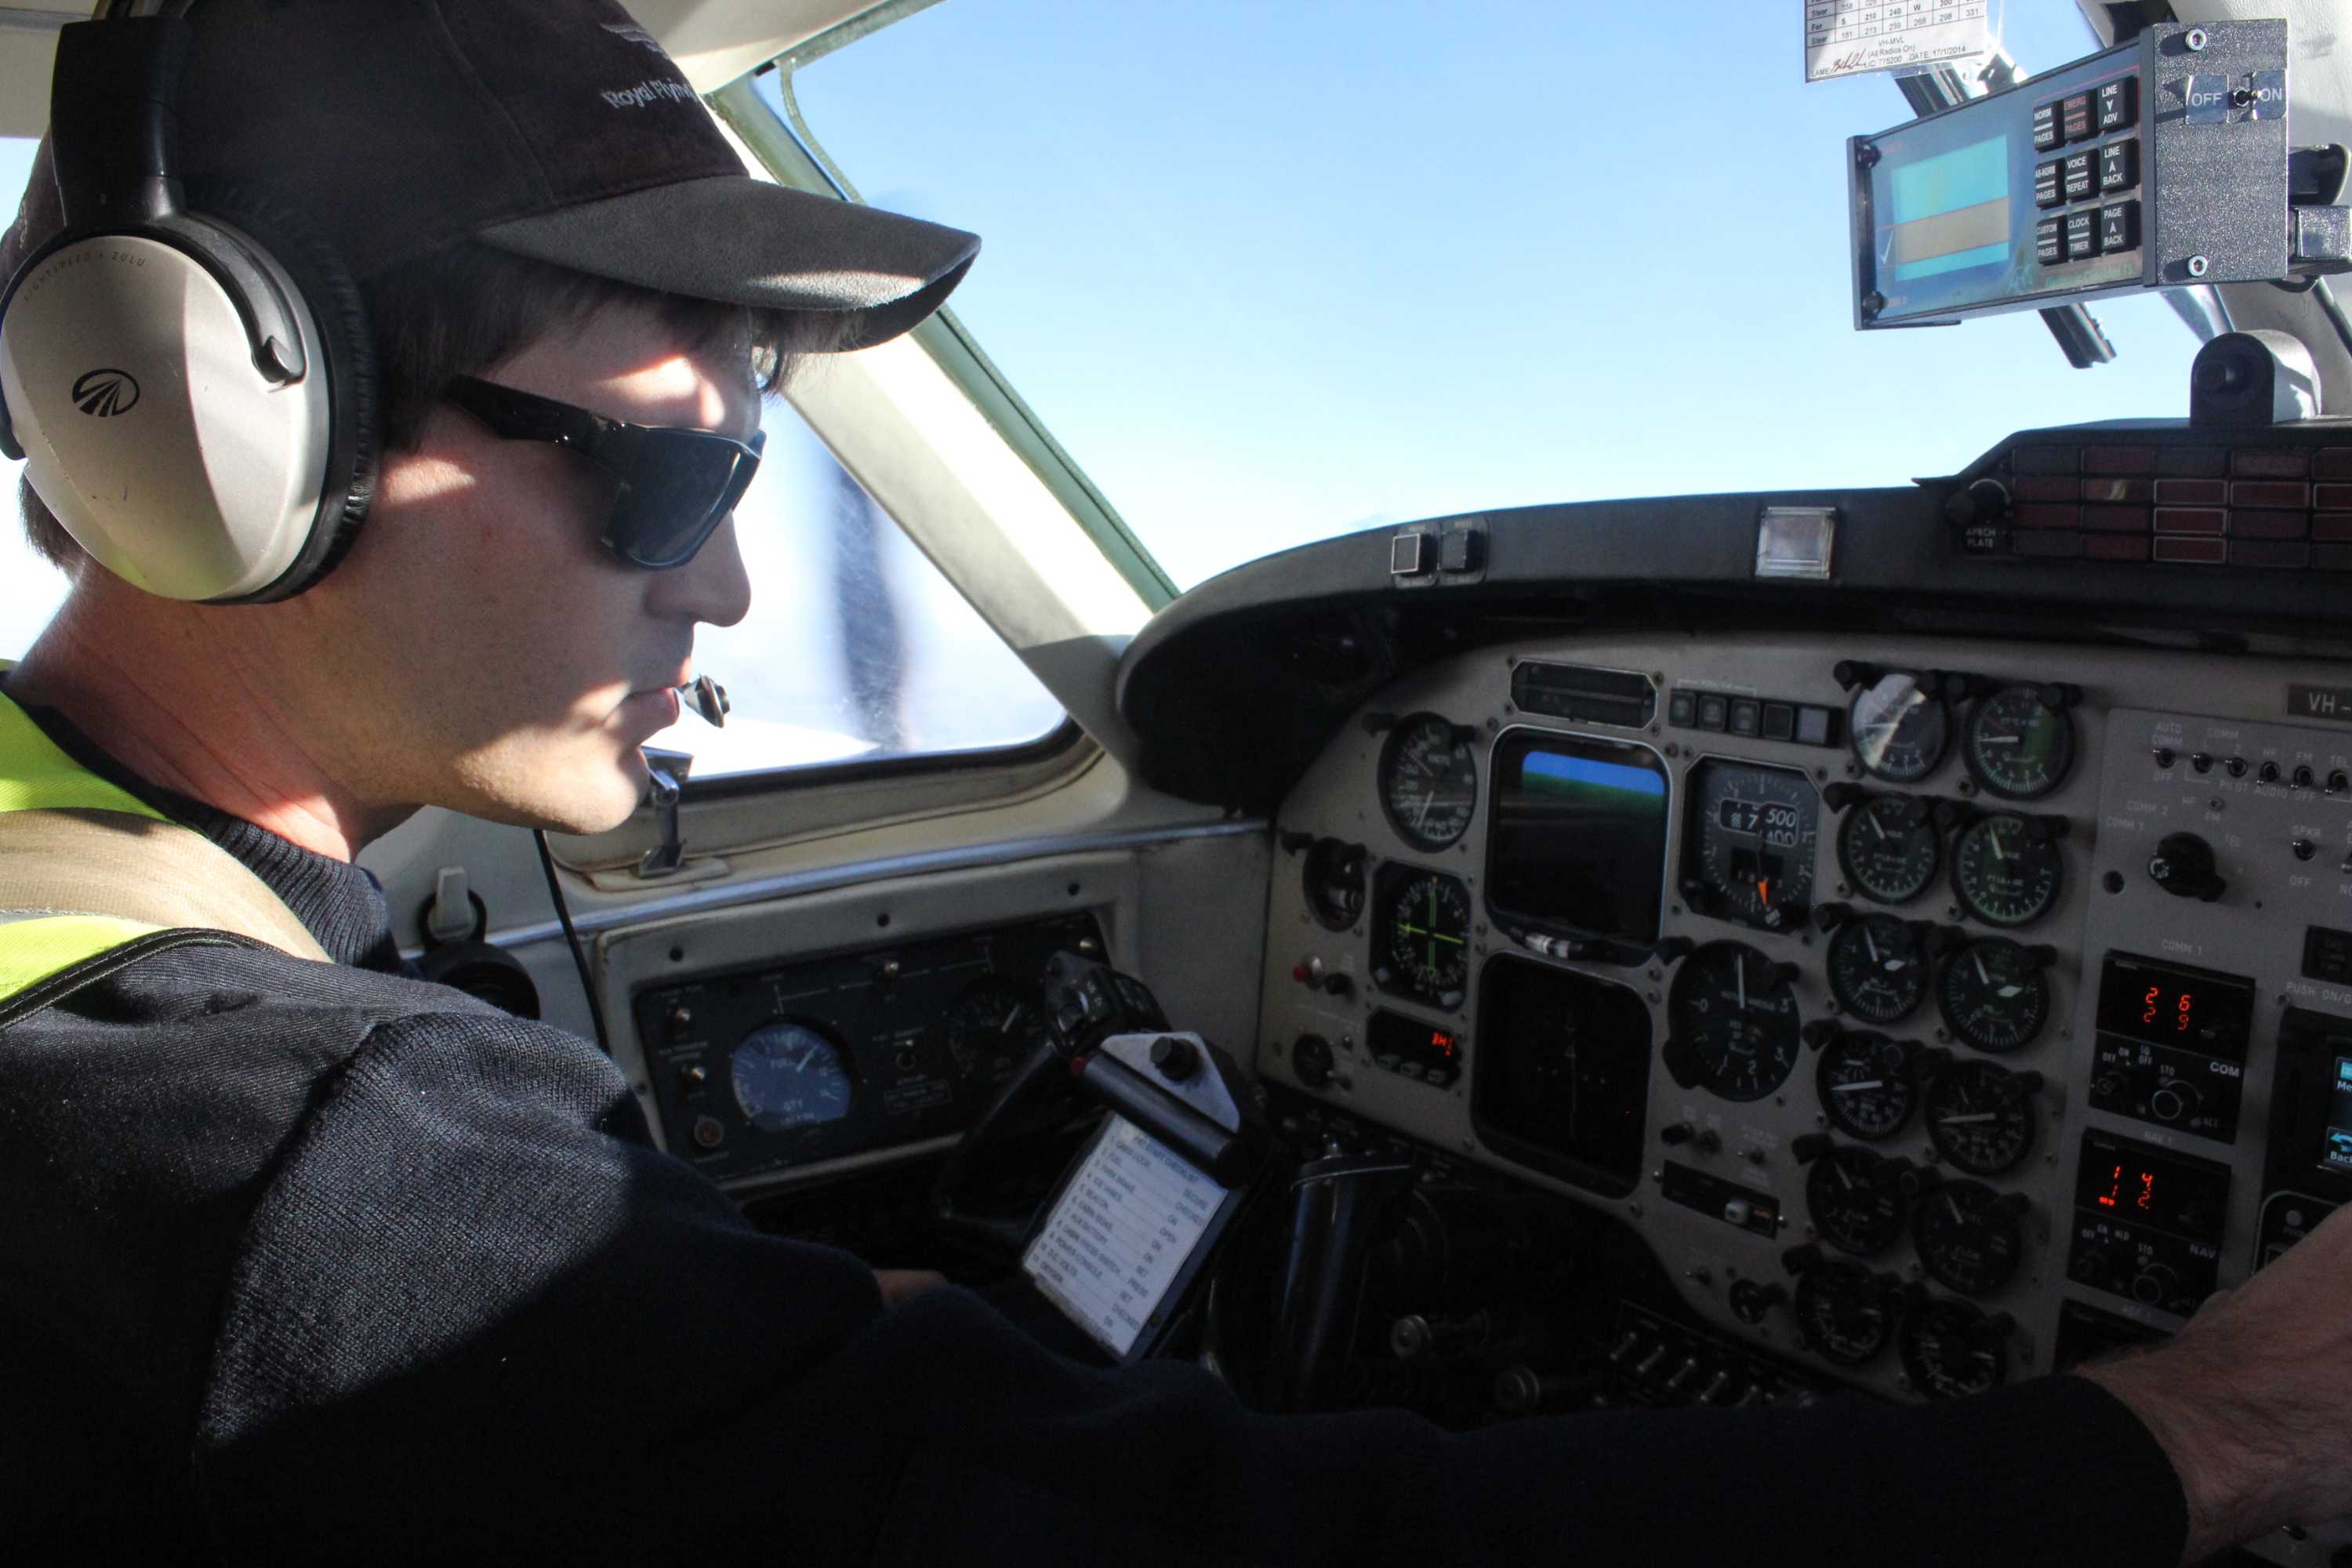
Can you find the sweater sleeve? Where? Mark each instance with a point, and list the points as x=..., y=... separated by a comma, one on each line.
x=477, y=1315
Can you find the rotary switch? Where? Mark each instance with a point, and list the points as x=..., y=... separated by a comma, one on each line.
x=2183, y=867
x=1311, y=1060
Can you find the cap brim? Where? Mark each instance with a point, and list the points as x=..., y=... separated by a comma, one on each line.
x=746, y=242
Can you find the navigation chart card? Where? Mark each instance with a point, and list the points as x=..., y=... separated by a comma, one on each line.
x=1848, y=38
x=1122, y=1233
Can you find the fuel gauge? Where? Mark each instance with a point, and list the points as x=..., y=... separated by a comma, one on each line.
x=2008, y=869
x=1855, y=1197
x=1994, y=996
x=2020, y=740
x=1952, y=1350
x=1878, y=968
x=1969, y=1236
x=1980, y=1117
x=1844, y=1313
x=1868, y=1085
x=1890, y=849
x=1899, y=726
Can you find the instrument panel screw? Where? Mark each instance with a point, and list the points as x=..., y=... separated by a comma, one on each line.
x=2198, y=266
x=2197, y=38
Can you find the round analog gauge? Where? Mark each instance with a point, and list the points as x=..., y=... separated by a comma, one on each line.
x=1889, y=848
x=1424, y=937
x=1878, y=968
x=1429, y=782
x=1969, y=1238
x=1747, y=853
x=1953, y=1349
x=995, y=1026
x=1335, y=883
x=1733, y=1013
x=1867, y=1086
x=1981, y=1116
x=2019, y=745
x=1994, y=996
x=1856, y=1198
x=2006, y=871
x=788, y=1075
x=1899, y=728
x=1843, y=1311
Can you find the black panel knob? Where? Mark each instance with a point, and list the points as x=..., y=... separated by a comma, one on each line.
x=1177, y=1059
x=1750, y=1302
x=2183, y=867
x=1310, y=1060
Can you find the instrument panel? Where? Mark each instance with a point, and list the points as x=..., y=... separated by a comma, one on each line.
x=785, y=1065
x=1920, y=1013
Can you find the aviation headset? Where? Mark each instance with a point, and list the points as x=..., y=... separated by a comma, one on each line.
x=187, y=372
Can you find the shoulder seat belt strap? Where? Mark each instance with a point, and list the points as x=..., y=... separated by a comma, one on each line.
x=85, y=866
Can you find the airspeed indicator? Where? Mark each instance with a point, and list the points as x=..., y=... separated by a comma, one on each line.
x=1429, y=782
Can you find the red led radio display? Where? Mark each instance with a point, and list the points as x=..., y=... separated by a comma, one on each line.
x=2123, y=1180
x=2171, y=1004
x=1416, y=1050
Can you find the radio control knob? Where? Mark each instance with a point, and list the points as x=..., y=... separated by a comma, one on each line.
x=2173, y=1100
x=2183, y=867
x=1310, y=1060
x=2153, y=1285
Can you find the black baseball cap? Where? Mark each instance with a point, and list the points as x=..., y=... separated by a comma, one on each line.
x=555, y=129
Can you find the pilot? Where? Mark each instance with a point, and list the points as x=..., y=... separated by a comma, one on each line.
x=309, y=1261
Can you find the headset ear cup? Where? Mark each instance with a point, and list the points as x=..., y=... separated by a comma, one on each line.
x=339, y=316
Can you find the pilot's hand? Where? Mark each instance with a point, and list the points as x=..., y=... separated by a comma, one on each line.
x=2252, y=1400
x=898, y=1284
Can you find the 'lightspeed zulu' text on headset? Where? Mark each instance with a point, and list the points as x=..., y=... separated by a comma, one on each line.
x=187, y=374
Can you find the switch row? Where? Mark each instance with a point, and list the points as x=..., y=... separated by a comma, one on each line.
x=2338, y=781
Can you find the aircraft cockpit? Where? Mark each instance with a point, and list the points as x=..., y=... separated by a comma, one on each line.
x=1848, y=889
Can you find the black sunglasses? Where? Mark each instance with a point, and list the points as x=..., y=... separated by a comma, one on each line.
x=678, y=484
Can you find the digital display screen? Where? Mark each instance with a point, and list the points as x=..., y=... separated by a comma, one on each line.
x=1415, y=1048
x=1563, y=1077
x=1950, y=211
x=2126, y=1181
x=1775, y=822
x=2336, y=1153
x=2170, y=1004
x=1580, y=835
x=1946, y=214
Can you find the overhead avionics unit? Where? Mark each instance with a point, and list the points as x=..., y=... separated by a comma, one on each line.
x=2160, y=163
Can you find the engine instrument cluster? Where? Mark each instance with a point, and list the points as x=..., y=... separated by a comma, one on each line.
x=1918, y=1014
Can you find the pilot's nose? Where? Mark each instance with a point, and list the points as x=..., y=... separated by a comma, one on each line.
x=712, y=587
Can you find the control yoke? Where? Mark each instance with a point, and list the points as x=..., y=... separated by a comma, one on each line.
x=1111, y=1047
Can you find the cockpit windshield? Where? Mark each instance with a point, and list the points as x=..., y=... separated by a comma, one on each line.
x=1273, y=273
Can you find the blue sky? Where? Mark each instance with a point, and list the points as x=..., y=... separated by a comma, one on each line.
x=1273, y=272
x=1270, y=272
